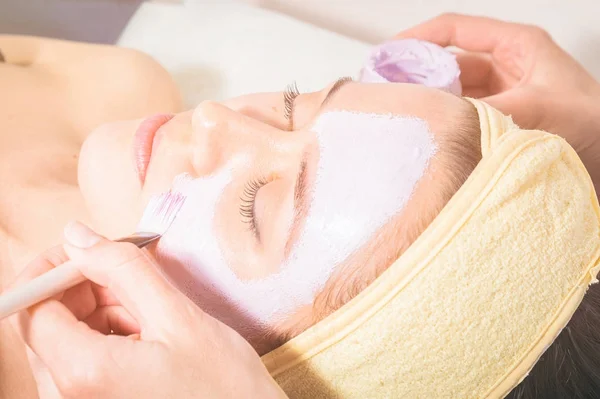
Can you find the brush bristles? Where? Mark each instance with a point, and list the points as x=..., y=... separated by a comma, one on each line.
x=161, y=212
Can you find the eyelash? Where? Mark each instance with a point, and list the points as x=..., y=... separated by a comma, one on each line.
x=289, y=95
x=248, y=200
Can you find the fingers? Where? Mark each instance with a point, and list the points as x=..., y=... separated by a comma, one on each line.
x=481, y=77
x=103, y=296
x=98, y=308
x=470, y=33
x=524, y=105
x=475, y=69
x=52, y=328
x=53, y=333
x=85, y=298
x=475, y=92
x=129, y=273
x=112, y=320
x=80, y=300
x=46, y=261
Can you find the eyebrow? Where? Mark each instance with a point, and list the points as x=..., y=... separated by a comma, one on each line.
x=334, y=89
x=289, y=112
x=300, y=201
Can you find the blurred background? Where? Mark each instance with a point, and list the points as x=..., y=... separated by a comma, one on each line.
x=229, y=42
x=100, y=21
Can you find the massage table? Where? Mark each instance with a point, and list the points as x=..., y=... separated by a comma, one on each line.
x=219, y=49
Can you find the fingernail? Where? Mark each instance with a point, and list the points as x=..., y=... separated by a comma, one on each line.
x=79, y=235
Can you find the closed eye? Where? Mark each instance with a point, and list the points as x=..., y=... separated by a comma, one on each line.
x=248, y=202
x=289, y=95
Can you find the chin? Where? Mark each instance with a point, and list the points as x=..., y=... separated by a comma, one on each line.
x=107, y=179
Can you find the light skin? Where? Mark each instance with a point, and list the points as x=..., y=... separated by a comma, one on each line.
x=522, y=72
x=252, y=137
x=92, y=178
x=48, y=106
x=449, y=26
x=132, y=299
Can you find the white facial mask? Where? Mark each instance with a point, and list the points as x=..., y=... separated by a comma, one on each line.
x=368, y=167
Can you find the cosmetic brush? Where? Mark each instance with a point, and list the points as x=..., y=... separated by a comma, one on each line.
x=156, y=220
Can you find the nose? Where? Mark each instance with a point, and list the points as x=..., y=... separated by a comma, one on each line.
x=222, y=137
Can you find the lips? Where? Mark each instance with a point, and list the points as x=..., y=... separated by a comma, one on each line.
x=144, y=142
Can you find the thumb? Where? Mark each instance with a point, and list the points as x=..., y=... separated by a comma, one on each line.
x=129, y=273
x=524, y=105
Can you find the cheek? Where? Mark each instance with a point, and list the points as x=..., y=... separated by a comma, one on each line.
x=232, y=229
x=248, y=258
x=107, y=178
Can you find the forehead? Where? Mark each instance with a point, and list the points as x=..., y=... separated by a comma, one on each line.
x=434, y=106
x=399, y=98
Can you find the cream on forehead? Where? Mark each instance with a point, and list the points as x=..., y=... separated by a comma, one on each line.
x=368, y=167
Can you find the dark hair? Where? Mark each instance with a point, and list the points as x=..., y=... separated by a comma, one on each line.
x=570, y=367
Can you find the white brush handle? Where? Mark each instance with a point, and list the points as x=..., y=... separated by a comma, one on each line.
x=56, y=280
x=53, y=282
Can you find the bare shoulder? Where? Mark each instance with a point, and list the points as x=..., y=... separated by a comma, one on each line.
x=98, y=75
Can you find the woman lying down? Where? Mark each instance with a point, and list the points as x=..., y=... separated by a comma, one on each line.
x=370, y=240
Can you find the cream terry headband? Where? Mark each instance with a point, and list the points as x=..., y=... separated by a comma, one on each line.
x=471, y=306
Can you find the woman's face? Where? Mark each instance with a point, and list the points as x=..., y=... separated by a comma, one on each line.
x=251, y=133
x=269, y=150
